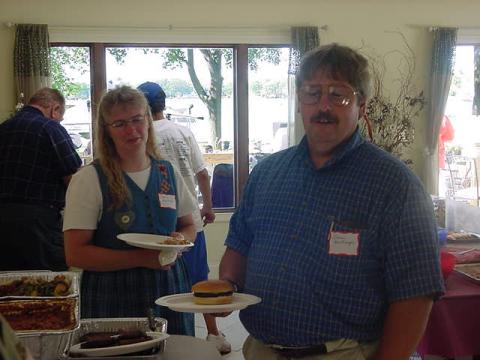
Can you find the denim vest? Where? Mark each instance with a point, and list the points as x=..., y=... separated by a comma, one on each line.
x=128, y=293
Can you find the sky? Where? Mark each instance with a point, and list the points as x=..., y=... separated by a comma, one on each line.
x=139, y=68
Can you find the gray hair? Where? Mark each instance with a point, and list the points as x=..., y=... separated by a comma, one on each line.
x=340, y=62
x=46, y=96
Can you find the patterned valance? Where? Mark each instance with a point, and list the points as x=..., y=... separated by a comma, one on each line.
x=304, y=38
x=31, y=58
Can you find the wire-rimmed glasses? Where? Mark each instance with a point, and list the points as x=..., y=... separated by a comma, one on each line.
x=135, y=121
x=337, y=94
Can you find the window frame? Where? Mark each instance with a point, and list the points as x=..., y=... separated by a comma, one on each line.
x=98, y=86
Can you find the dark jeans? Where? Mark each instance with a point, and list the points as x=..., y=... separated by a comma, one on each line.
x=31, y=238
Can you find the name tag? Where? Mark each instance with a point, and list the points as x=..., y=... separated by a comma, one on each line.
x=167, y=201
x=343, y=243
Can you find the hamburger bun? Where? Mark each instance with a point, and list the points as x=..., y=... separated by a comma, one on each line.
x=212, y=292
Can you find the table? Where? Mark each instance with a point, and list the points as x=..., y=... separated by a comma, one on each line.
x=453, y=328
x=180, y=347
x=213, y=159
x=177, y=347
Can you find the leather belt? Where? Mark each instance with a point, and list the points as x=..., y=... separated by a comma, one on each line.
x=300, y=352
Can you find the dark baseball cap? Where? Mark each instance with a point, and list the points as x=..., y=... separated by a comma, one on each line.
x=153, y=92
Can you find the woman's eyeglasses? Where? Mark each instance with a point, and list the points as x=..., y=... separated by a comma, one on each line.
x=135, y=121
x=340, y=95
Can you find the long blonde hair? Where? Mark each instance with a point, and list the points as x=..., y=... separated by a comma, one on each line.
x=107, y=153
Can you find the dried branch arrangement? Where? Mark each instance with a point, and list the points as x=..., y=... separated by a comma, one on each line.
x=393, y=116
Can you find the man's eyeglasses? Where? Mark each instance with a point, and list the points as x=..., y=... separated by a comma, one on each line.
x=135, y=121
x=340, y=95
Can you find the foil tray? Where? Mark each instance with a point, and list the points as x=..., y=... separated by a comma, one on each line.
x=24, y=305
x=46, y=346
x=73, y=295
x=70, y=276
x=113, y=324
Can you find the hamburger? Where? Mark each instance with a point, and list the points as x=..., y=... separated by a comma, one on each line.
x=212, y=292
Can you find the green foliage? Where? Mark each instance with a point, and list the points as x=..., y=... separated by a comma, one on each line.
x=272, y=89
x=76, y=59
x=175, y=58
x=176, y=87
x=119, y=54
x=227, y=89
x=256, y=55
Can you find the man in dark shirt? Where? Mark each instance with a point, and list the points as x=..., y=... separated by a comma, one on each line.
x=37, y=159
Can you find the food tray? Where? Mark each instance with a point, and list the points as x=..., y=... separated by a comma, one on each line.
x=471, y=271
x=111, y=324
x=70, y=276
x=11, y=308
x=46, y=347
x=462, y=237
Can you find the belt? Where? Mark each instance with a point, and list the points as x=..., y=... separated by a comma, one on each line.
x=300, y=352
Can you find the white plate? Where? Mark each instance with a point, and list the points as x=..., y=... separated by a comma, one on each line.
x=184, y=303
x=157, y=337
x=150, y=241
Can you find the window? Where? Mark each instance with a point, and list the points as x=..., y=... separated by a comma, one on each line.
x=460, y=131
x=71, y=75
x=267, y=103
x=233, y=98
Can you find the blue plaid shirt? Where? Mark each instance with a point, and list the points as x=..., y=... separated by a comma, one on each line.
x=282, y=227
x=35, y=154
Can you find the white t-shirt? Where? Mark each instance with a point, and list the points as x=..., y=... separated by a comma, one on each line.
x=177, y=144
x=84, y=204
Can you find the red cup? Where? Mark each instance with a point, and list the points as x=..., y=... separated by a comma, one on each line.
x=447, y=263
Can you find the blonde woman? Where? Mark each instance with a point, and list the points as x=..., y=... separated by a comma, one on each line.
x=127, y=189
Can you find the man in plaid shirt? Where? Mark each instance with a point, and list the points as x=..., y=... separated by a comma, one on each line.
x=37, y=159
x=335, y=235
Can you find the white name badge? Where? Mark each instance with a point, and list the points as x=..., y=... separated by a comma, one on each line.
x=167, y=201
x=344, y=243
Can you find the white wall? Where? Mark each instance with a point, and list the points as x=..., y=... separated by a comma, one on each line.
x=367, y=24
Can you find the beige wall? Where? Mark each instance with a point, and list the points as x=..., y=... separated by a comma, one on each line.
x=373, y=24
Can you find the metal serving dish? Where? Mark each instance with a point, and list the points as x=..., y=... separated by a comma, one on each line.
x=114, y=324
x=47, y=276
x=46, y=346
x=16, y=304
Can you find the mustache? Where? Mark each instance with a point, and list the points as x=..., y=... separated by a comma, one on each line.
x=324, y=115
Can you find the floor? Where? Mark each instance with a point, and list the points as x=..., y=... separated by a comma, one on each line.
x=233, y=330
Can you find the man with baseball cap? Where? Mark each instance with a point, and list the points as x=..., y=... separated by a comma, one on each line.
x=177, y=144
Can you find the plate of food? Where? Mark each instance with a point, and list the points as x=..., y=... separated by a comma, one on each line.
x=120, y=343
x=472, y=271
x=155, y=242
x=210, y=296
x=457, y=237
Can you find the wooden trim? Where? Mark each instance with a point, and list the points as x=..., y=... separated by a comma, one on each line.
x=241, y=119
x=98, y=78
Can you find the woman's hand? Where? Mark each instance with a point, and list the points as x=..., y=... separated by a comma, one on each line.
x=152, y=260
x=177, y=235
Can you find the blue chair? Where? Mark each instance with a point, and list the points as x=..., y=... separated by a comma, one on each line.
x=222, y=186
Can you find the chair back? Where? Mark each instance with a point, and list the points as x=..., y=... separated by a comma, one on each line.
x=222, y=186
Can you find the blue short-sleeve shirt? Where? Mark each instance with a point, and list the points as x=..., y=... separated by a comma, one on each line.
x=283, y=224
